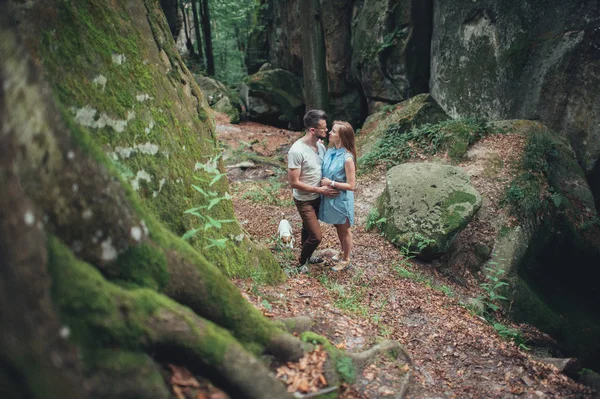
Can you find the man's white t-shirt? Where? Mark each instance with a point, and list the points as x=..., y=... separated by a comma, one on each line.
x=302, y=156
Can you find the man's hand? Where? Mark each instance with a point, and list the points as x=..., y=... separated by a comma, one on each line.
x=327, y=191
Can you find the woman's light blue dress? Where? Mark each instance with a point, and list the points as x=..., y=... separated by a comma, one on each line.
x=340, y=208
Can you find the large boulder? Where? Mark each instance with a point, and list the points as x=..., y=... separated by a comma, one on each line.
x=408, y=114
x=425, y=205
x=550, y=249
x=390, y=46
x=275, y=97
x=506, y=59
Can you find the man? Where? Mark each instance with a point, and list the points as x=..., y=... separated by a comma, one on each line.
x=304, y=174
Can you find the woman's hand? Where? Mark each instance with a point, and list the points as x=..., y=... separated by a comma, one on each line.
x=325, y=182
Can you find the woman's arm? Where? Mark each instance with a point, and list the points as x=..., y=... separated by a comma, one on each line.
x=350, y=177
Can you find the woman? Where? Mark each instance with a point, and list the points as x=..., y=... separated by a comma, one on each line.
x=339, y=172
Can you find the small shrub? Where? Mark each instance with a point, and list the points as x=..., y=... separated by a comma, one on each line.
x=399, y=145
x=373, y=219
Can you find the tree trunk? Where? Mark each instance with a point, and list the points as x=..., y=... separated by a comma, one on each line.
x=87, y=269
x=205, y=16
x=197, y=31
x=313, y=52
x=188, y=39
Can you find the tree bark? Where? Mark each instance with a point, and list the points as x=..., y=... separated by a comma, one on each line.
x=51, y=176
x=313, y=52
x=197, y=31
x=188, y=39
x=205, y=16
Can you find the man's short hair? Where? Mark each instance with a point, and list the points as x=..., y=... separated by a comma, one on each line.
x=312, y=118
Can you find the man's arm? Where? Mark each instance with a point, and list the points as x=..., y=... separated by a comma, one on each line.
x=294, y=180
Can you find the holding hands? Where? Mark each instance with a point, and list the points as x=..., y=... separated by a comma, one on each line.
x=326, y=189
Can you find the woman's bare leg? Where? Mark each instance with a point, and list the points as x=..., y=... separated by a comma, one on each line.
x=345, y=235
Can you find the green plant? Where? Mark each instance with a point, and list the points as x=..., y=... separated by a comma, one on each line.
x=374, y=220
x=346, y=369
x=267, y=192
x=399, y=144
x=511, y=334
x=492, y=286
x=213, y=198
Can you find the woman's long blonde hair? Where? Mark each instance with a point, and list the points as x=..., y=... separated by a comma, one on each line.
x=346, y=133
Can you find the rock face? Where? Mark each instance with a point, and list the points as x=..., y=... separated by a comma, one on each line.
x=428, y=204
x=377, y=53
x=155, y=128
x=551, y=257
x=506, y=59
x=390, y=45
x=411, y=113
x=275, y=97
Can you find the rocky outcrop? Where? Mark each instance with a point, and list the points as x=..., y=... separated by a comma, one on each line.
x=221, y=98
x=390, y=44
x=501, y=59
x=275, y=97
x=408, y=114
x=377, y=53
x=551, y=251
x=425, y=205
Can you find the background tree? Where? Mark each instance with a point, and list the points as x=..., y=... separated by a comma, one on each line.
x=206, y=29
x=200, y=57
x=231, y=21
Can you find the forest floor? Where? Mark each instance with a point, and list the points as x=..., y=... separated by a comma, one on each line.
x=454, y=353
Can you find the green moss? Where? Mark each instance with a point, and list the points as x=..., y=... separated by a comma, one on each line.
x=80, y=42
x=452, y=218
x=142, y=266
x=104, y=315
x=90, y=306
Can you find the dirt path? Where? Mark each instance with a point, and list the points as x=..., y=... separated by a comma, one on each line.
x=454, y=353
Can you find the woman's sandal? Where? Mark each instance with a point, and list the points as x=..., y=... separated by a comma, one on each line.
x=342, y=264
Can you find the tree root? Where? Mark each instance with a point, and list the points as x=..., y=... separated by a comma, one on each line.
x=143, y=319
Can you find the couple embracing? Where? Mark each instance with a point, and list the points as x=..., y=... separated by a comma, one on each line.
x=323, y=182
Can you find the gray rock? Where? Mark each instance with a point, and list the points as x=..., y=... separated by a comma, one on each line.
x=550, y=259
x=225, y=106
x=221, y=98
x=275, y=97
x=426, y=205
x=390, y=45
x=505, y=59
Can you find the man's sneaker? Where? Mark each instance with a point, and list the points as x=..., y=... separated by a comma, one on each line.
x=316, y=261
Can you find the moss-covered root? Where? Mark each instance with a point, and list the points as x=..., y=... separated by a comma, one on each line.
x=346, y=366
x=297, y=324
x=199, y=285
x=102, y=314
x=240, y=373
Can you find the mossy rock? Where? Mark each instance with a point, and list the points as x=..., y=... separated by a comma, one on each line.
x=408, y=114
x=221, y=98
x=116, y=74
x=425, y=205
x=275, y=97
x=551, y=257
x=225, y=106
